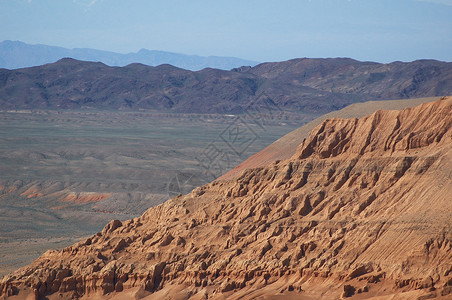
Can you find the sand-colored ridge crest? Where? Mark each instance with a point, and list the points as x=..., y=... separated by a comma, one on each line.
x=380, y=132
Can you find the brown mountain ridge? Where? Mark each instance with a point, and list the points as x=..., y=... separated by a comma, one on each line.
x=363, y=209
x=306, y=85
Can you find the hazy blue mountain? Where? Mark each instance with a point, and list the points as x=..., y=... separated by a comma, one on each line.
x=16, y=54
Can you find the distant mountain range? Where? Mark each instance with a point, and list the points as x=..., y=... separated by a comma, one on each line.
x=15, y=54
x=310, y=86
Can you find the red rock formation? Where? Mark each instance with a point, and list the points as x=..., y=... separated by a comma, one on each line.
x=363, y=209
x=85, y=197
x=286, y=146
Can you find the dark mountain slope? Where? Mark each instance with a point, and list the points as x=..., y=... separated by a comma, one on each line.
x=311, y=86
x=348, y=76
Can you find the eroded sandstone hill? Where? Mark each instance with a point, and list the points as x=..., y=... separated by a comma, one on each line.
x=362, y=210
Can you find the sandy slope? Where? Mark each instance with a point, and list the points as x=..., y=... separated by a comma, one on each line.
x=286, y=146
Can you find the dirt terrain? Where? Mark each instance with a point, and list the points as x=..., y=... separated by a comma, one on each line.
x=362, y=210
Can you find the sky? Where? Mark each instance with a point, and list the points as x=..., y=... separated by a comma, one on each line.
x=259, y=30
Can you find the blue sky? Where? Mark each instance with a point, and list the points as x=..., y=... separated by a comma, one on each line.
x=262, y=30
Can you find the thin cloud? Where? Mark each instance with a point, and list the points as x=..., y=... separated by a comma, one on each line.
x=86, y=3
x=445, y=2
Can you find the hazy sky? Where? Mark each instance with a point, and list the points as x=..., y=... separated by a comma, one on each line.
x=262, y=30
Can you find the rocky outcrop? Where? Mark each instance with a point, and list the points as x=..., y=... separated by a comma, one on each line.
x=362, y=209
x=286, y=146
x=381, y=132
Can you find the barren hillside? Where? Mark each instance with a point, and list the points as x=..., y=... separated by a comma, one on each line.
x=363, y=209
